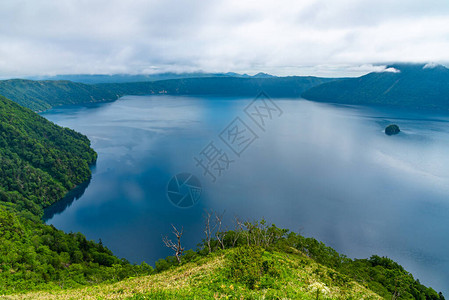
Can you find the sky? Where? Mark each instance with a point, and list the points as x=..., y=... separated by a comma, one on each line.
x=299, y=37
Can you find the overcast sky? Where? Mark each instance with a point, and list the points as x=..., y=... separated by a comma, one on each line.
x=302, y=37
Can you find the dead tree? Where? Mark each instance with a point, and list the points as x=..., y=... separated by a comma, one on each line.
x=242, y=225
x=209, y=228
x=253, y=233
x=176, y=247
x=268, y=235
x=237, y=230
x=219, y=234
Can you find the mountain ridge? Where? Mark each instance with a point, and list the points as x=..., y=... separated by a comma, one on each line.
x=42, y=95
x=126, y=78
x=415, y=86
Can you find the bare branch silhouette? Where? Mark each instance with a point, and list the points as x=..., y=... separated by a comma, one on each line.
x=209, y=228
x=176, y=247
x=219, y=234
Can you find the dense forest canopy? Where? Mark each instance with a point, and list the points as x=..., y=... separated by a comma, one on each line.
x=42, y=95
x=40, y=161
x=415, y=86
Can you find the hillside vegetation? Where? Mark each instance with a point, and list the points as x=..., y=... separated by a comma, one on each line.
x=259, y=261
x=121, y=78
x=220, y=86
x=35, y=256
x=412, y=86
x=39, y=163
x=292, y=276
x=42, y=95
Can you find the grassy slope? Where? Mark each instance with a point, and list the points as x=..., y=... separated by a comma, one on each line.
x=300, y=278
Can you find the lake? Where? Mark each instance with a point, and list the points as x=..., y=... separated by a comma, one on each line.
x=323, y=170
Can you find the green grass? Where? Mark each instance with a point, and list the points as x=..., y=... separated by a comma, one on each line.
x=295, y=277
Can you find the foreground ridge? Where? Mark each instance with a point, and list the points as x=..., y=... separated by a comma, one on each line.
x=206, y=278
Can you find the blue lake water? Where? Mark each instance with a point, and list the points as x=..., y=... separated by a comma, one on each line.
x=323, y=170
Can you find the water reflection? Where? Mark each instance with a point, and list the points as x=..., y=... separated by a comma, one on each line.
x=58, y=207
x=329, y=170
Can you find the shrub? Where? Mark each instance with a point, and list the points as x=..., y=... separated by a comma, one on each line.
x=245, y=265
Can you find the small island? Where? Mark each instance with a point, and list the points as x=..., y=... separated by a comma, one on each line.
x=392, y=129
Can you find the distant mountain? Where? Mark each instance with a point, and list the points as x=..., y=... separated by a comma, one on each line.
x=220, y=86
x=41, y=95
x=123, y=78
x=411, y=85
x=404, y=85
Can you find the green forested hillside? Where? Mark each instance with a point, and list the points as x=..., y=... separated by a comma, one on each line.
x=414, y=86
x=220, y=86
x=258, y=261
x=121, y=78
x=36, y=256
x=40, y=161
x=41, y=95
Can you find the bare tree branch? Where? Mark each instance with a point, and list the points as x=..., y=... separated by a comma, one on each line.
x=219, y=234
x=237, y=230
x=176, y=247
x=209, y=228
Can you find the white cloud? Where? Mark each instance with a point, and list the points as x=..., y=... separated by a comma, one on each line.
x=430, y=65
x=392, y=70
x=326, y=38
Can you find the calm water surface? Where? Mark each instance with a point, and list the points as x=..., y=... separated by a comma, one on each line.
x=324, y=170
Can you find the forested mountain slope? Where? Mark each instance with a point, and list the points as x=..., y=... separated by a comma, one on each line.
x=412, y=86
x=42, y=95
x=39, y=163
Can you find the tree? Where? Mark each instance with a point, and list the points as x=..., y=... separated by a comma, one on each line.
x=213, y=223
x=219, y=234
x=237, y=230
x=176, y=247
x=209, y=228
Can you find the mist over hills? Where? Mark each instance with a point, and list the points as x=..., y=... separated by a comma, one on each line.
x=420, y=86
x=42, y=95
x=415, y=86
x=122, y=78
